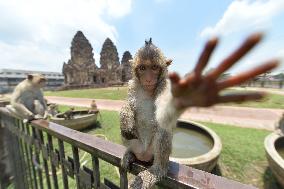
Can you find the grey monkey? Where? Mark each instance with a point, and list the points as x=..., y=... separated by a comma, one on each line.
x=27, y=98
x=140, y=130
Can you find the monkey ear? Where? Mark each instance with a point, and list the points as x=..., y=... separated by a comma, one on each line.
x=30, y=76
x=146, y=42
x=169, y=62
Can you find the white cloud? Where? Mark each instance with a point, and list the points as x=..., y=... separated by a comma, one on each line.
x=245, y=14
x=118, y=8
x=38, y=33
x=28, y=56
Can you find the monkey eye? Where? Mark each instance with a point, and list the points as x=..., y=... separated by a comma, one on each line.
x=142, y=68
x=155, y=67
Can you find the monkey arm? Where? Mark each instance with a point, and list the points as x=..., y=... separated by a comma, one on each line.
x=203, y=90
x=22, y=110
x=127, y=122
x=41, y=99
x=44, y=112
x=166, y=111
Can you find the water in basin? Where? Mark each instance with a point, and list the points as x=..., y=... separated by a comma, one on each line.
x=189, y=143
x=281, y=152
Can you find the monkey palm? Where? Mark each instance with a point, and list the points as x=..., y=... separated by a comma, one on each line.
x=150, y=113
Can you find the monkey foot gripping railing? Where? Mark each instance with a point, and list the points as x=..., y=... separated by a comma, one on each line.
x=40, y=159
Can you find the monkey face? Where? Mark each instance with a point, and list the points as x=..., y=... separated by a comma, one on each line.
x=40, y=82
x=37, y=80
x=148, y=73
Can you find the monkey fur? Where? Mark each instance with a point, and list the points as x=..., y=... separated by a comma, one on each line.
x=27, y=100
x=154, y=102
x=148, y=121
x=93, y=107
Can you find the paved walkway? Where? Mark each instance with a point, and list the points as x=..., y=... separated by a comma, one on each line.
x=239, y=116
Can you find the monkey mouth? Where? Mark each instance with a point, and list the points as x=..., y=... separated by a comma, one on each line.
x=149, y=85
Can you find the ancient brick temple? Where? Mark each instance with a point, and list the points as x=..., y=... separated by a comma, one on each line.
x=81, y=69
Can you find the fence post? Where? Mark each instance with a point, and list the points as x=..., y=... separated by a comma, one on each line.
x=5, y=166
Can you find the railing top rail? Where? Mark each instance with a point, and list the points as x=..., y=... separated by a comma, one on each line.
x=179, y=176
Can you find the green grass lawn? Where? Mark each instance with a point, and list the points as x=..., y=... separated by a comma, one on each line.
x=120, y=93
x=112, y=93
x=243, y=155
x=242, y=158
x=107, y=128
x=269, y=101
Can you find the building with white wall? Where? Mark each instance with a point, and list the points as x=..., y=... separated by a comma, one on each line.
x=10, y=78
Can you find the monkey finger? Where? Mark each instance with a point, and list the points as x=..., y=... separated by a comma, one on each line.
x=249, y=43
x=205, y=55
x=174, y=77
x=175, y=83
x=240, y=97
x=235, y=80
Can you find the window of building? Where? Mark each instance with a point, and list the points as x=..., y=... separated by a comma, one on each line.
x=95, y=79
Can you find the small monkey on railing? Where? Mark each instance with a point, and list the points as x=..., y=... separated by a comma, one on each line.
x=154, y=102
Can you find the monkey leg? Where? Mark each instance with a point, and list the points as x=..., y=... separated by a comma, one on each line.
x=162, y=149
x=39, y=108
x=127, y=159
x=23, y=111
x=127, y=123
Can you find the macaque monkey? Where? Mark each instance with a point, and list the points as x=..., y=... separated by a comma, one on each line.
x=94, y=107
x=69, y=114
x=27, y=100
x=156, y=99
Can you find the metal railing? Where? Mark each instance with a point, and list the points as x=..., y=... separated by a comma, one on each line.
x=39, y=159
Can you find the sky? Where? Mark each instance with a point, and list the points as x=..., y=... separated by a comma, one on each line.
x=37, y=34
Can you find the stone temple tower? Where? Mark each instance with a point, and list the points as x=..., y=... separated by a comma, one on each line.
x=109, y=61
x=126, y=66
x=78, y=70
x=81, y=70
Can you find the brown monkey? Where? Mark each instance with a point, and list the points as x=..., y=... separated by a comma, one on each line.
x=154, y=102
x=27, y=99
x=94, y=107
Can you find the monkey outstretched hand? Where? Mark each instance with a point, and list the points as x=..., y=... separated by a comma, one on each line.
x=203, y=90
